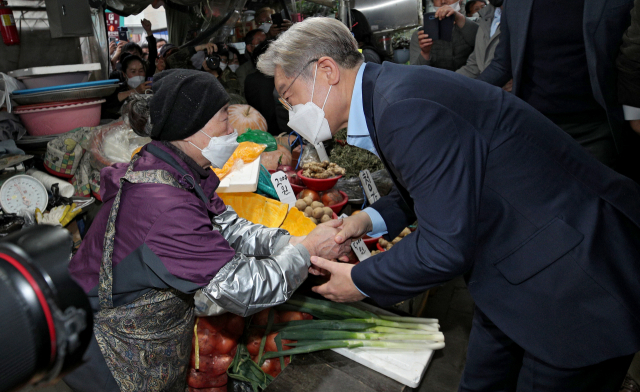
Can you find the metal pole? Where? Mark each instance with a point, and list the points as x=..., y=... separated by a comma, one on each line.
x=345, y=13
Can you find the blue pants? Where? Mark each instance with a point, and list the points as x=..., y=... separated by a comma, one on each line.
x=496, y=363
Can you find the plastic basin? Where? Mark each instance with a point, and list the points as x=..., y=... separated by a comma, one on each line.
x=55, y=79
x=370, y=242
x=316, y=184
x=56, y=118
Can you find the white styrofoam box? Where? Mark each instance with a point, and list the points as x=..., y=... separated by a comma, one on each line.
x=243, y=180
x=405, y=366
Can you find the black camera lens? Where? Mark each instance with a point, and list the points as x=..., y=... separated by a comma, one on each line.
x=46, y=322
x=213, y=61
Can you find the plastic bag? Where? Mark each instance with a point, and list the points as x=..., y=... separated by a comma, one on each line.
x=259, y=137
x=309, y=155
x=246, y=152
x=353, y=187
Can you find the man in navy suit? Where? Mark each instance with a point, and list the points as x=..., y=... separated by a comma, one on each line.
x=549, y=237
x=561, y=56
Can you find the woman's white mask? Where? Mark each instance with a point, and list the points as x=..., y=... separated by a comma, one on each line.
x=219, y=149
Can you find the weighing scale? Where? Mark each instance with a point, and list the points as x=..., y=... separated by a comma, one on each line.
x=22, y=191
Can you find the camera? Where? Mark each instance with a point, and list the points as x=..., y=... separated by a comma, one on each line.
x=46, y=322
x=212, y=61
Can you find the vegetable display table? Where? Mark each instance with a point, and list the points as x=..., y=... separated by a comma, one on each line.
x=329, y=371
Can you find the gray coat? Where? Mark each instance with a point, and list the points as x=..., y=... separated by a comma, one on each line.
x=485, y=45
x=447, y=55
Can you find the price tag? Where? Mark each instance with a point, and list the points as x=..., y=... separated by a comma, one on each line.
x=360, y=249
x=343, y=216
x=285, y=193
x=322, y=153
x=369, y=186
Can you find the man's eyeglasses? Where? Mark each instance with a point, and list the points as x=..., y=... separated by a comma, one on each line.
x=283, y=101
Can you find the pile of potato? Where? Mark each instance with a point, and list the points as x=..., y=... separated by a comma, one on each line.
x=322, y=170
x=388, y=245
x=314, y=210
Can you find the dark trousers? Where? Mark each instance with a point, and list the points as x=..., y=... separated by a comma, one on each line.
x=594, y=136
x=496, y=363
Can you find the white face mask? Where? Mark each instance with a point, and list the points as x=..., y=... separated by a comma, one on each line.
x=455, y=6
x=308, y=120
x=223, y=66
x=219, y=149
x=265, y=27
x=135, y=81
x=476, y=15
x=234, y=67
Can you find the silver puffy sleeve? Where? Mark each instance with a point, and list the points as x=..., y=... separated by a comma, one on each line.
x=246, y=285
x=249, y=238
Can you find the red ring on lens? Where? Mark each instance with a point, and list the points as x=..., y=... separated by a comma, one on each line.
x=41, y=299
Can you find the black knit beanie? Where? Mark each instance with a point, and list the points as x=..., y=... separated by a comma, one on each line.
x=183, y=102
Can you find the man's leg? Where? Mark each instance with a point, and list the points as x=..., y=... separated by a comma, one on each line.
x=606, y=376
x=493, y=359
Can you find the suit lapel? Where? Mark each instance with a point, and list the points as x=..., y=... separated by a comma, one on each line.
x=369, y=78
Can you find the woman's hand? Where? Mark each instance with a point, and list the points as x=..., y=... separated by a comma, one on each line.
x=112, y=48
x=425, y=45
x=146, y=25
x=209, y=47
x=143, y=87
x=321, y=242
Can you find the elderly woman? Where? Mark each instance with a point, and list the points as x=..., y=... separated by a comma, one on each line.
x=163, y=234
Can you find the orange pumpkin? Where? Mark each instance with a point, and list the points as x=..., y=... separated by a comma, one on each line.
x=242, y=117
x=270, y=160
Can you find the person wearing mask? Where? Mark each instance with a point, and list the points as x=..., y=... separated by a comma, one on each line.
x=561, y=56
x=164, y=245
x=487, y=39
x=133, y=48
x=229, y=64
x=264, y=23
x=259, y=93
x=443, y=54
x=160, y=43
x=362, y=32
x=251, y=40
x=547, y=237
x=132, y=80
x=472, y=9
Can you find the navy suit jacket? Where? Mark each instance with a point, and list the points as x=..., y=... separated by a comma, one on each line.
x=550, y=237
x=604, y=23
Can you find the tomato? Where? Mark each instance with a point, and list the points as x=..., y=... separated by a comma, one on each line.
x=268, y=366
x=214, y=364
x=262, y=318
x=235, y=325
x=271, y=343
x=277, y=368
x=331, y=197
x=218, y=389
x=206, y=341
x=233, y=351
x=225, y=343
x=289, y=316
x=213, y=323
x=253, y=343
x=306, y=316
x=198, y=379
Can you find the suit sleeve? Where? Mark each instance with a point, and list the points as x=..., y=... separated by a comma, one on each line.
x=498, y=72
x=395, y=212
x=441, y=162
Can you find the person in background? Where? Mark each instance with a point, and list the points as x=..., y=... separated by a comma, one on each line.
x=561, y=56
x=133, y=48
x=449, y=55
x=362, y=32
x=166, y=51
x=229, y=63
x=145, y=50
x=164, y=244
x=182, y=58
x=251, y=41
x=160, y=42
x=487, y=39
x=132, y=80
x=259, y=92
x=628, y=64
x=264, y=23
x=473, y=7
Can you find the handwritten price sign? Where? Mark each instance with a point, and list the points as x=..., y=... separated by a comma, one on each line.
x=285, y=193
x=360, y=249
x=369, y=186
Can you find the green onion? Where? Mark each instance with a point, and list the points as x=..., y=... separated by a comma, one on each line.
x=303, y=347
x=336, y=335
x=409, y=319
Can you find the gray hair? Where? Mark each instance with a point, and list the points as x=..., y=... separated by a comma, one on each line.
x=307, y=41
